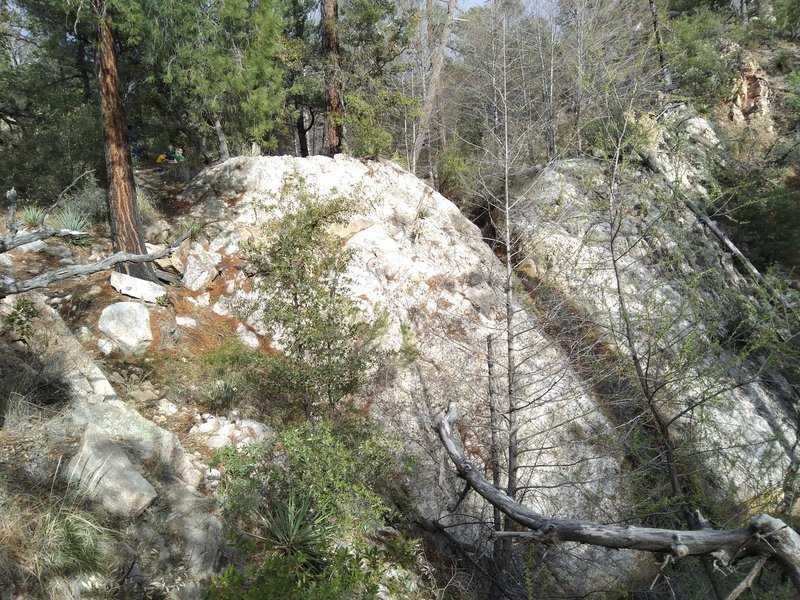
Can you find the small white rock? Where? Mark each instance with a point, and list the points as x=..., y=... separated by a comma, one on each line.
x=186, y=322
x=106, y=347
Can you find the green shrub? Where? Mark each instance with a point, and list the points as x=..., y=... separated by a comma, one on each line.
x=89, y=201
x=314, y=487
x=31, y=216
x=70, y=219
x=697, y=56
x=328, y=349
x=787, y=18
x=365, y=137
x=348, y=466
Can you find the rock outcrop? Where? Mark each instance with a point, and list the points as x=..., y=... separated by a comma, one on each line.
x=416, y=258
x=128, y=464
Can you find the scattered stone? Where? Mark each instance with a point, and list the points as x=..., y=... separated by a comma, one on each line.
x=136, y=288
x=157, y=232
x=128, y=326
x=5, y=260
x=59, y=250
x=107, y=475
x=142, y=396
x=105, y=346
x=186, y=322
x=66, y=261
x=166, y=407
x=36, y=246
x=220, y=432
x=95, y=290
x=85, y=334
x=201, y=268
x=201, y=300
x=247, y=337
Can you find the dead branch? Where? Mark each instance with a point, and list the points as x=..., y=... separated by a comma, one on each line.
x=60, y=197
x=764, y=535
x=45, y=279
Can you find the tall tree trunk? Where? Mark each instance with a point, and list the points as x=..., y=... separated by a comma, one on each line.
x=302, y=130
x=224, y=153
x=333, y=100
x=662, y=59
x=124, y=218
x=437, y=61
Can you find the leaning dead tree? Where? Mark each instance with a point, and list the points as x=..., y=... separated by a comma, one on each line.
x=764, y=536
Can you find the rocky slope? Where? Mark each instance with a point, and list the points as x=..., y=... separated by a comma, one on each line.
x=416, y=258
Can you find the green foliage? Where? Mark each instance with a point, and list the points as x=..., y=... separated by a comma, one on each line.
x=70, y=219
x=19, y=319
x=327, y=347
x=222, y=395
x=764, y=215
x=348, y=467
x=163, y=301
x=314, y=484
x=787, y=18
x=793, y=94
x=346, y=575
x=701, y=65
x=31, y=216
x=456, y=173
x=293, y=528
x=90, y=201
x=365, y=137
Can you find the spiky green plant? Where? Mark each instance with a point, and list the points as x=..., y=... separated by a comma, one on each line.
x=294, y=528
x=31, y=215
x=70, y=219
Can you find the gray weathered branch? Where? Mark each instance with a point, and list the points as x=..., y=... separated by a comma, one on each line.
x=764, y=535
x=45, y=279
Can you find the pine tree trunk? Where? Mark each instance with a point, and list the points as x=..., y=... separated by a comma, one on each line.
x=330, y=49
x=224, y=153
x=124, y=218
x=302, y=132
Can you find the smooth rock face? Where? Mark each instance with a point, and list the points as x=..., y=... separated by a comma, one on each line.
x=127, y=324
x=106, y=474
x=136, y=288
x=201, y=268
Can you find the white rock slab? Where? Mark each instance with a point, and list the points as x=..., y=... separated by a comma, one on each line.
x=137, y=288
x=127, y=324
x=107, y=475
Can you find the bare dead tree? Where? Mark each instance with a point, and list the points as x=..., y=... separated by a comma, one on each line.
x=763, y=536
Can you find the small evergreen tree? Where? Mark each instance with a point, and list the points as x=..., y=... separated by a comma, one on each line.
x=303, y=281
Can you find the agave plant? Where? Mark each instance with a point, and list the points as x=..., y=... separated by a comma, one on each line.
x=294, y=528
x=31, y=215
x=70, y=219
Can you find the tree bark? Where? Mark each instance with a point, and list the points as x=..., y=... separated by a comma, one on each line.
x=333, y=99
x=437, y=61
x=662, y=59
x=763, y=535
x=224, y=153
x=124, y=218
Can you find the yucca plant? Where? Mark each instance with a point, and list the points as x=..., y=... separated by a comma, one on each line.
x=70, y=219
x=294, y=528
x=31, y=215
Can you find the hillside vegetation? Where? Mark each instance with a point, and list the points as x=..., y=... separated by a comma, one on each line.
x=571, y=227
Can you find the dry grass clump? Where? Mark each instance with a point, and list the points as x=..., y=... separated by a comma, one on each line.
x=50, y=544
